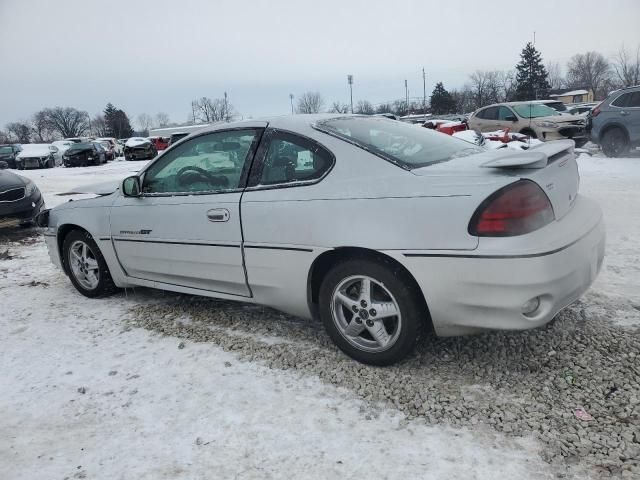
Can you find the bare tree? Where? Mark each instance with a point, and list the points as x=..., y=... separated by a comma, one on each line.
x=162, y=119
x=310, y=102
x=627, y=67
x=488, y=87
x=67, y=121
x=209, y=110
x=337, y=107
x=21, y=131
x=590, y=70
x=365, y=107
x=42, y=131
x=144, y=121
x=99, y=126
x=4, y=137
x=554, y=71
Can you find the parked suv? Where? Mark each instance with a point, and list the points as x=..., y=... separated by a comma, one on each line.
x=615, y=123
x=530, y=118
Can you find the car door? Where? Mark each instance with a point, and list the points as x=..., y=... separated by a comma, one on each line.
x=185, y=227
x=487, y=120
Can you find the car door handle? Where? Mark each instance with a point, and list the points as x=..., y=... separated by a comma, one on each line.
x=624, y=113
x=218, y=215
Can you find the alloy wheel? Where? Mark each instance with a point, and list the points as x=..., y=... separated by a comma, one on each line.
x=366, y=313
x=84, y=265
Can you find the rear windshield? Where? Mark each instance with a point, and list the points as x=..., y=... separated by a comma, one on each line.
x=534, y=110
x=408, y=146
x=80, y=146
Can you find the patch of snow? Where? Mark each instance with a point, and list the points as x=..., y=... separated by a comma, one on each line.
x=136, y=141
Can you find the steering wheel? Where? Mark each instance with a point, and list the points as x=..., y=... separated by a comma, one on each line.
x=192, y=174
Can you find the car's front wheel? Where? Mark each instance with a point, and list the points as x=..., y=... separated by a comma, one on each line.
x=614, y=143
x=371, y=311
x=86, y=266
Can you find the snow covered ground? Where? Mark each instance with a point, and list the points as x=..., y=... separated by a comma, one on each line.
x=83, y=395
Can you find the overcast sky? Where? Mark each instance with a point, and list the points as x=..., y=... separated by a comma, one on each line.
x=156, y=55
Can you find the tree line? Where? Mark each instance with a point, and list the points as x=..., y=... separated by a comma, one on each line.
x=55, y=123
x=530, y=79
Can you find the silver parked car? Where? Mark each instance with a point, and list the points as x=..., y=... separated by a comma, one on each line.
x=377, y=227
x=615, y=122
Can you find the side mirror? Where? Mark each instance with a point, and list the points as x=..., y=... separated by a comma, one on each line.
x=510, y=118
x=131, y=186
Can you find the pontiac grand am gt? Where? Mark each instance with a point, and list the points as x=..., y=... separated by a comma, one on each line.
x=378, y=227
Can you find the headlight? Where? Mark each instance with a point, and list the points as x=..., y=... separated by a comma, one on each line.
x=547, y=124
x=29, y=189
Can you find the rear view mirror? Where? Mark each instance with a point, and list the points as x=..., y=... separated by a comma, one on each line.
x=131, y=186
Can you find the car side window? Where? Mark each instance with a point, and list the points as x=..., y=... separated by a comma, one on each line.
x=205, y=164
x=291, y=159
x=504, y=112
x=634, y=101
x=491, y=113
x=622, y=100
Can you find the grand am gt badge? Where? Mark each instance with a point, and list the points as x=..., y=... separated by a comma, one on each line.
x=135, y=232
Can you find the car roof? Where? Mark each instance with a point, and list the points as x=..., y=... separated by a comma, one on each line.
x=285, y=122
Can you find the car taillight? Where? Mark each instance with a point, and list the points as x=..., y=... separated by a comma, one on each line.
x=516, y=209
x=596, y=111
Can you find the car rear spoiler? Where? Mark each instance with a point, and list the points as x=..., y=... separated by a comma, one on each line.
x=536, y=157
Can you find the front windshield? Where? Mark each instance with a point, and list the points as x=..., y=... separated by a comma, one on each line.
x=534, y=110
x=408, y=146
x=6, y=150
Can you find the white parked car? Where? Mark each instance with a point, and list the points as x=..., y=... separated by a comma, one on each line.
x=62, y=146
x=37, y=155
x=378, y=227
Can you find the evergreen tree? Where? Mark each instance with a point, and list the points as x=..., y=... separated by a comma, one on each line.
x=117, y=122
x=441, y=101
x=532, y=78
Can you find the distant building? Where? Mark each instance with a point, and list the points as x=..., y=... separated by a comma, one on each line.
x=583, y=95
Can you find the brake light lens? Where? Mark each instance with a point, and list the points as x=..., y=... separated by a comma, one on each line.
x=516, y=209
x=596, y=111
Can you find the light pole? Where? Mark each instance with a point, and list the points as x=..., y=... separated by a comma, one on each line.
x=350, y=80
x=291, y=99
x=406, y=93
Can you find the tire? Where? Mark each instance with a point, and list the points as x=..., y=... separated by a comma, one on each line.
x=389, y=287
x=614, y=142
x=100, y=283
x=529, y=132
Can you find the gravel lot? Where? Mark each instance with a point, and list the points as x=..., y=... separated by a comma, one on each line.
x=517, y=383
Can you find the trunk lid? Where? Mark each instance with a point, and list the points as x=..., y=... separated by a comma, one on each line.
x=552, y=165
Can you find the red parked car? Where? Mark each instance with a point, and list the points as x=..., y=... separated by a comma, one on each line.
x=161, y=143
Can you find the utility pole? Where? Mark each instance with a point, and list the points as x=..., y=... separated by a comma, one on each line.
x=406, y=95
x=193, y=111
x=424, y=92
x=291, y=99
x=350, y=81
x=226, y=108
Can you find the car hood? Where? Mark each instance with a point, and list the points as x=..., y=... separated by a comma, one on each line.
x=137, y=142
x=560, y=119
x=10, y=180
x=78, y=150
x=35, y=151
x=101, y=189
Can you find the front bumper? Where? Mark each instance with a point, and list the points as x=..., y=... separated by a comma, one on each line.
x=474, y=292
x=31, y=162
x=570, y=132
x=22, y=210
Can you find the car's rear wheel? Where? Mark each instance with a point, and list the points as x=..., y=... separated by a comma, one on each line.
x=529, y=132
x=371, y=311
x=614, y=143
x=86, y=266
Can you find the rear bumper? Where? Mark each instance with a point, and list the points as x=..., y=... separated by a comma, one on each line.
x=478, y=291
